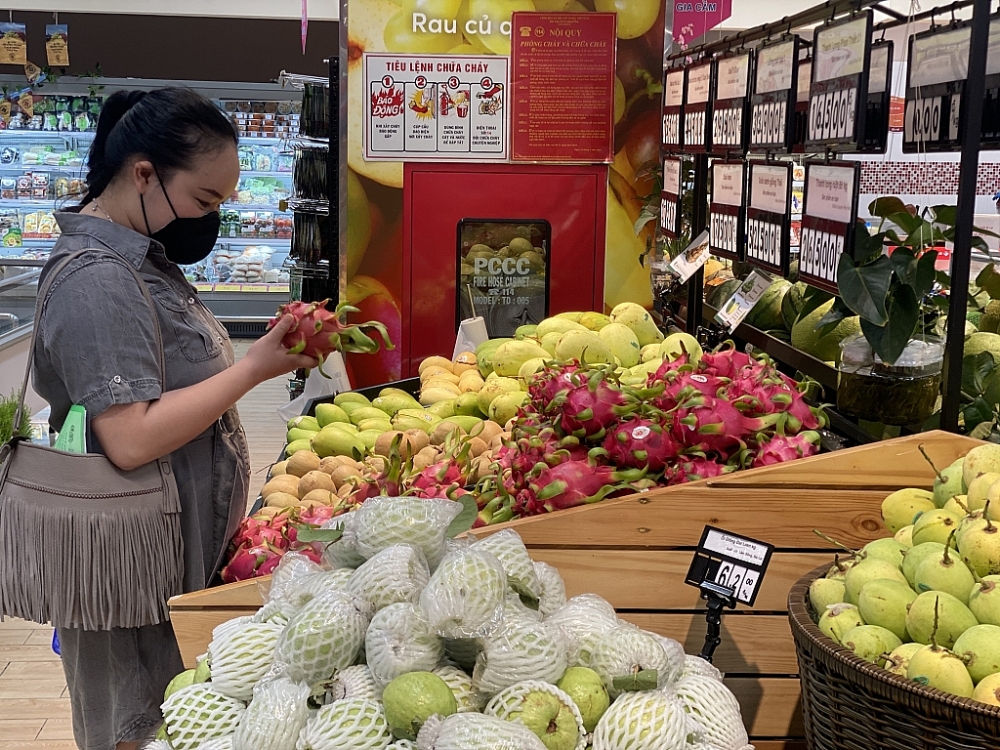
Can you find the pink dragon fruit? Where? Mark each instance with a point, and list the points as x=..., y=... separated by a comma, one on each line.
x=641, y=443
x=591, y=406
x=546, y=384
x=251, y=562
x=577, y=483
x=716, y=425
x=682, y=384
x=761, y=390
x=317, y=331
x=725, y=363
x=695, y=468
x=783, y=448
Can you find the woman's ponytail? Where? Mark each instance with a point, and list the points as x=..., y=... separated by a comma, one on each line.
x=100, y=173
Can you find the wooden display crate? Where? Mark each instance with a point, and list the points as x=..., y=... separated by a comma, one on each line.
x=635, y=552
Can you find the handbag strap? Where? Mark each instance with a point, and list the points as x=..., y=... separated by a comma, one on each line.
x=43, y=292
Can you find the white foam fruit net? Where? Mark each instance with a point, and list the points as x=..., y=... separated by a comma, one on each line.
x=239, y=657
x=509, y=703
x=553, y=589
x=344, y=552
x=355, y=724
x=276, y=612
x=393, y=575
x=355, y=682
x=514, y=608
x=402, y=745
x=399, y=640
x=464, y=597
x=626, y=650
x=645, y=720
x=695, y=665
x=715, y=708
x=521, y=650
x=164, y=745
x=476, y=732
x=220, y=743
x=513, y=556
x=275, y=716
x=233, y=624
x=303, y=590
x=200, y=713
x=462, y=652
x=381, y=522
x=676, y=658
x=461, y=685
x=293, y=566
x=584, y=618
x=323, y=637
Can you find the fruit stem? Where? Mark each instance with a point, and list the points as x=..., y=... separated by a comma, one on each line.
x=831, y=540
x=989, y=522
x=946, y=561
x=937, y=601
x=939, y=475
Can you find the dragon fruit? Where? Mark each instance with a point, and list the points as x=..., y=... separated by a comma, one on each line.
x=696, y=468
x=760, y=390
x=317, y=331
x=251, y=562
x=707, y=424
x=546, y=384
x=682, y=384
x=586, y=402
x=577, y=483
x=782, y=448
x=725, y=363
x=641, y=444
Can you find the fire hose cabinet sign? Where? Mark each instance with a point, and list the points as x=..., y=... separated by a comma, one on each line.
x=503, y=274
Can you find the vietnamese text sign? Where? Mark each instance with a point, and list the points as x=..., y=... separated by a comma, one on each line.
x=670, y=198
x=729, y=116
x=563, y=87
x=696, y=107
x=726, y=222
x=673, y=101
x=692, y=20
x=773, y=103
x=435, y=107
x=734, y=562
x=939, y=66
x=828, y=221
x=838, y=96
x=768, y=216
x=991, y=105
x=876, y=135
x=737, y=307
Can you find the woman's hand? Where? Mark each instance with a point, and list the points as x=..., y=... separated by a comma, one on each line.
x=268, y=359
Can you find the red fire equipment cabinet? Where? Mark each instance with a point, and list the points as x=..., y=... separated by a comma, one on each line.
x=519, y=241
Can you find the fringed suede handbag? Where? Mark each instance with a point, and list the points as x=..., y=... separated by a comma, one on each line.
x=82, y=543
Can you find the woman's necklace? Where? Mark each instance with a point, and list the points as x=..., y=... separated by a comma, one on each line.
x=106, y=215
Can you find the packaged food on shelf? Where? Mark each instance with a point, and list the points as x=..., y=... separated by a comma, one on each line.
x=10, y=228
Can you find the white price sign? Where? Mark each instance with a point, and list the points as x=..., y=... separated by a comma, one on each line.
x=729, y=561
x=694, y=257
x=828, y=221
x=737, y=307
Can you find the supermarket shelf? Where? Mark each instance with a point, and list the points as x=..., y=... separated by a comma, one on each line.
x=250, y=173
x=23, y=262
x=48, y=134
x=269, y=242
x=22, y=168
x=252, y=207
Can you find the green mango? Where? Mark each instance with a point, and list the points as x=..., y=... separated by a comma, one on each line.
x=443, y=409
x=485, y=352
x=333, y=442
x=391, y=403
x=304, y=423
x=367, y=412
x=352, y=406
x=466, y=423
x=525, y=331
x=415, y=419
x=346, y=426
x=330, y=413
x=351, y=397
x=467, y=405
x=296, y=434
x=298, y=445
x=368, y=437
x=382, y=425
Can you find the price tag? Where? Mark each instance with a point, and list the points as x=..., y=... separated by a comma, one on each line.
x=670, y=198
x=279, y=288
x=694, y=257
x=829, y=219
x=726, y=225
x=737, y=307
x=876, y=135
x=229, y=287
x=768, y=218
x=991, y=104
x=935, y=87
x=772, y=105
x=204, y=287
x=729, y=107
x=255, y=288
x=673, y=101
x=731, y=561
x=696, y=108
x=838, y=94
x=26, y=102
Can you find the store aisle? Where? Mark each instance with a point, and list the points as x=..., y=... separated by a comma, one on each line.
x=34, y=709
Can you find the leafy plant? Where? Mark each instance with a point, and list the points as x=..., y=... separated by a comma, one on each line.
x=8, y=408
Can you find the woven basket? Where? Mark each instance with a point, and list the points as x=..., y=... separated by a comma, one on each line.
x=851, y=704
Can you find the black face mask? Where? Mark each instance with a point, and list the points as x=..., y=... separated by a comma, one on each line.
x=185, y=241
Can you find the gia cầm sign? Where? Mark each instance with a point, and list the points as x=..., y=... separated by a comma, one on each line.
x=693, y=19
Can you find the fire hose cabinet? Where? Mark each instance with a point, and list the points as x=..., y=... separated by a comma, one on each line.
x=515, y=243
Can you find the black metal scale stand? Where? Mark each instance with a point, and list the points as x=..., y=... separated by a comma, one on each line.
x=719, y=598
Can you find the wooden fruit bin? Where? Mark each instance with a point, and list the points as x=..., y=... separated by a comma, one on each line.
x=635, y=552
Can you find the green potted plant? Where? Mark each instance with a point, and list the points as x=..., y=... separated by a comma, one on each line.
x=8, y=408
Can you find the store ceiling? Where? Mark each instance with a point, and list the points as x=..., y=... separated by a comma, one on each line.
x=319, y=10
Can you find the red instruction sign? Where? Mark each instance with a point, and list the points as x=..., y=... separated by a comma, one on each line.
x=563, y=81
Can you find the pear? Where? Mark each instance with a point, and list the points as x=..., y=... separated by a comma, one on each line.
x=901, y=507
x=980, y=460
x=979, y=544
x=899, y=660
x=939, y=668
x=916, y=555
x=884, y=549
x=945, y=573
x=825, y=592
x=838, y=571
x=988, y=690
x=905, y=536
x=935, y=526
x=958, y=505
x=984, y=600
x=869, y=570
x=948, y=484
x=979, y=648
x=871, y=642
x=981, y=489
x=884, y=603
x=953, y=618
x=838, y=620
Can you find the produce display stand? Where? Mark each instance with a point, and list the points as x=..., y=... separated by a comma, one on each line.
x=635, y=552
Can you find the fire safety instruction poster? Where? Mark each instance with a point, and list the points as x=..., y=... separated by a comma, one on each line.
x=436, y=108
x=563, y=83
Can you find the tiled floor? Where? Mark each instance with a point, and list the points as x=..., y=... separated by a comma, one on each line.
x=34, y=708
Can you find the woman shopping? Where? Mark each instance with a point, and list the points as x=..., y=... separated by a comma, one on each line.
x=160, y=166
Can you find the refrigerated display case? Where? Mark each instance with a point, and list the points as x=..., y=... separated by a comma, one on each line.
x=43, y=164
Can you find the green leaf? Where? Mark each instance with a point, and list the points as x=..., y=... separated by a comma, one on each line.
x=642, y=680
x=989, y=280
x=975, y=370
x=982, y=430
x=313, y=534
x=886, y=206
x=837, y=313
x=889, y=340
x=464, y=520
x=947, y=215
x=925, y=274
x=904, y=263
x=908, y=222
x=976, y=413
x=864, y=288
x=813, y=299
